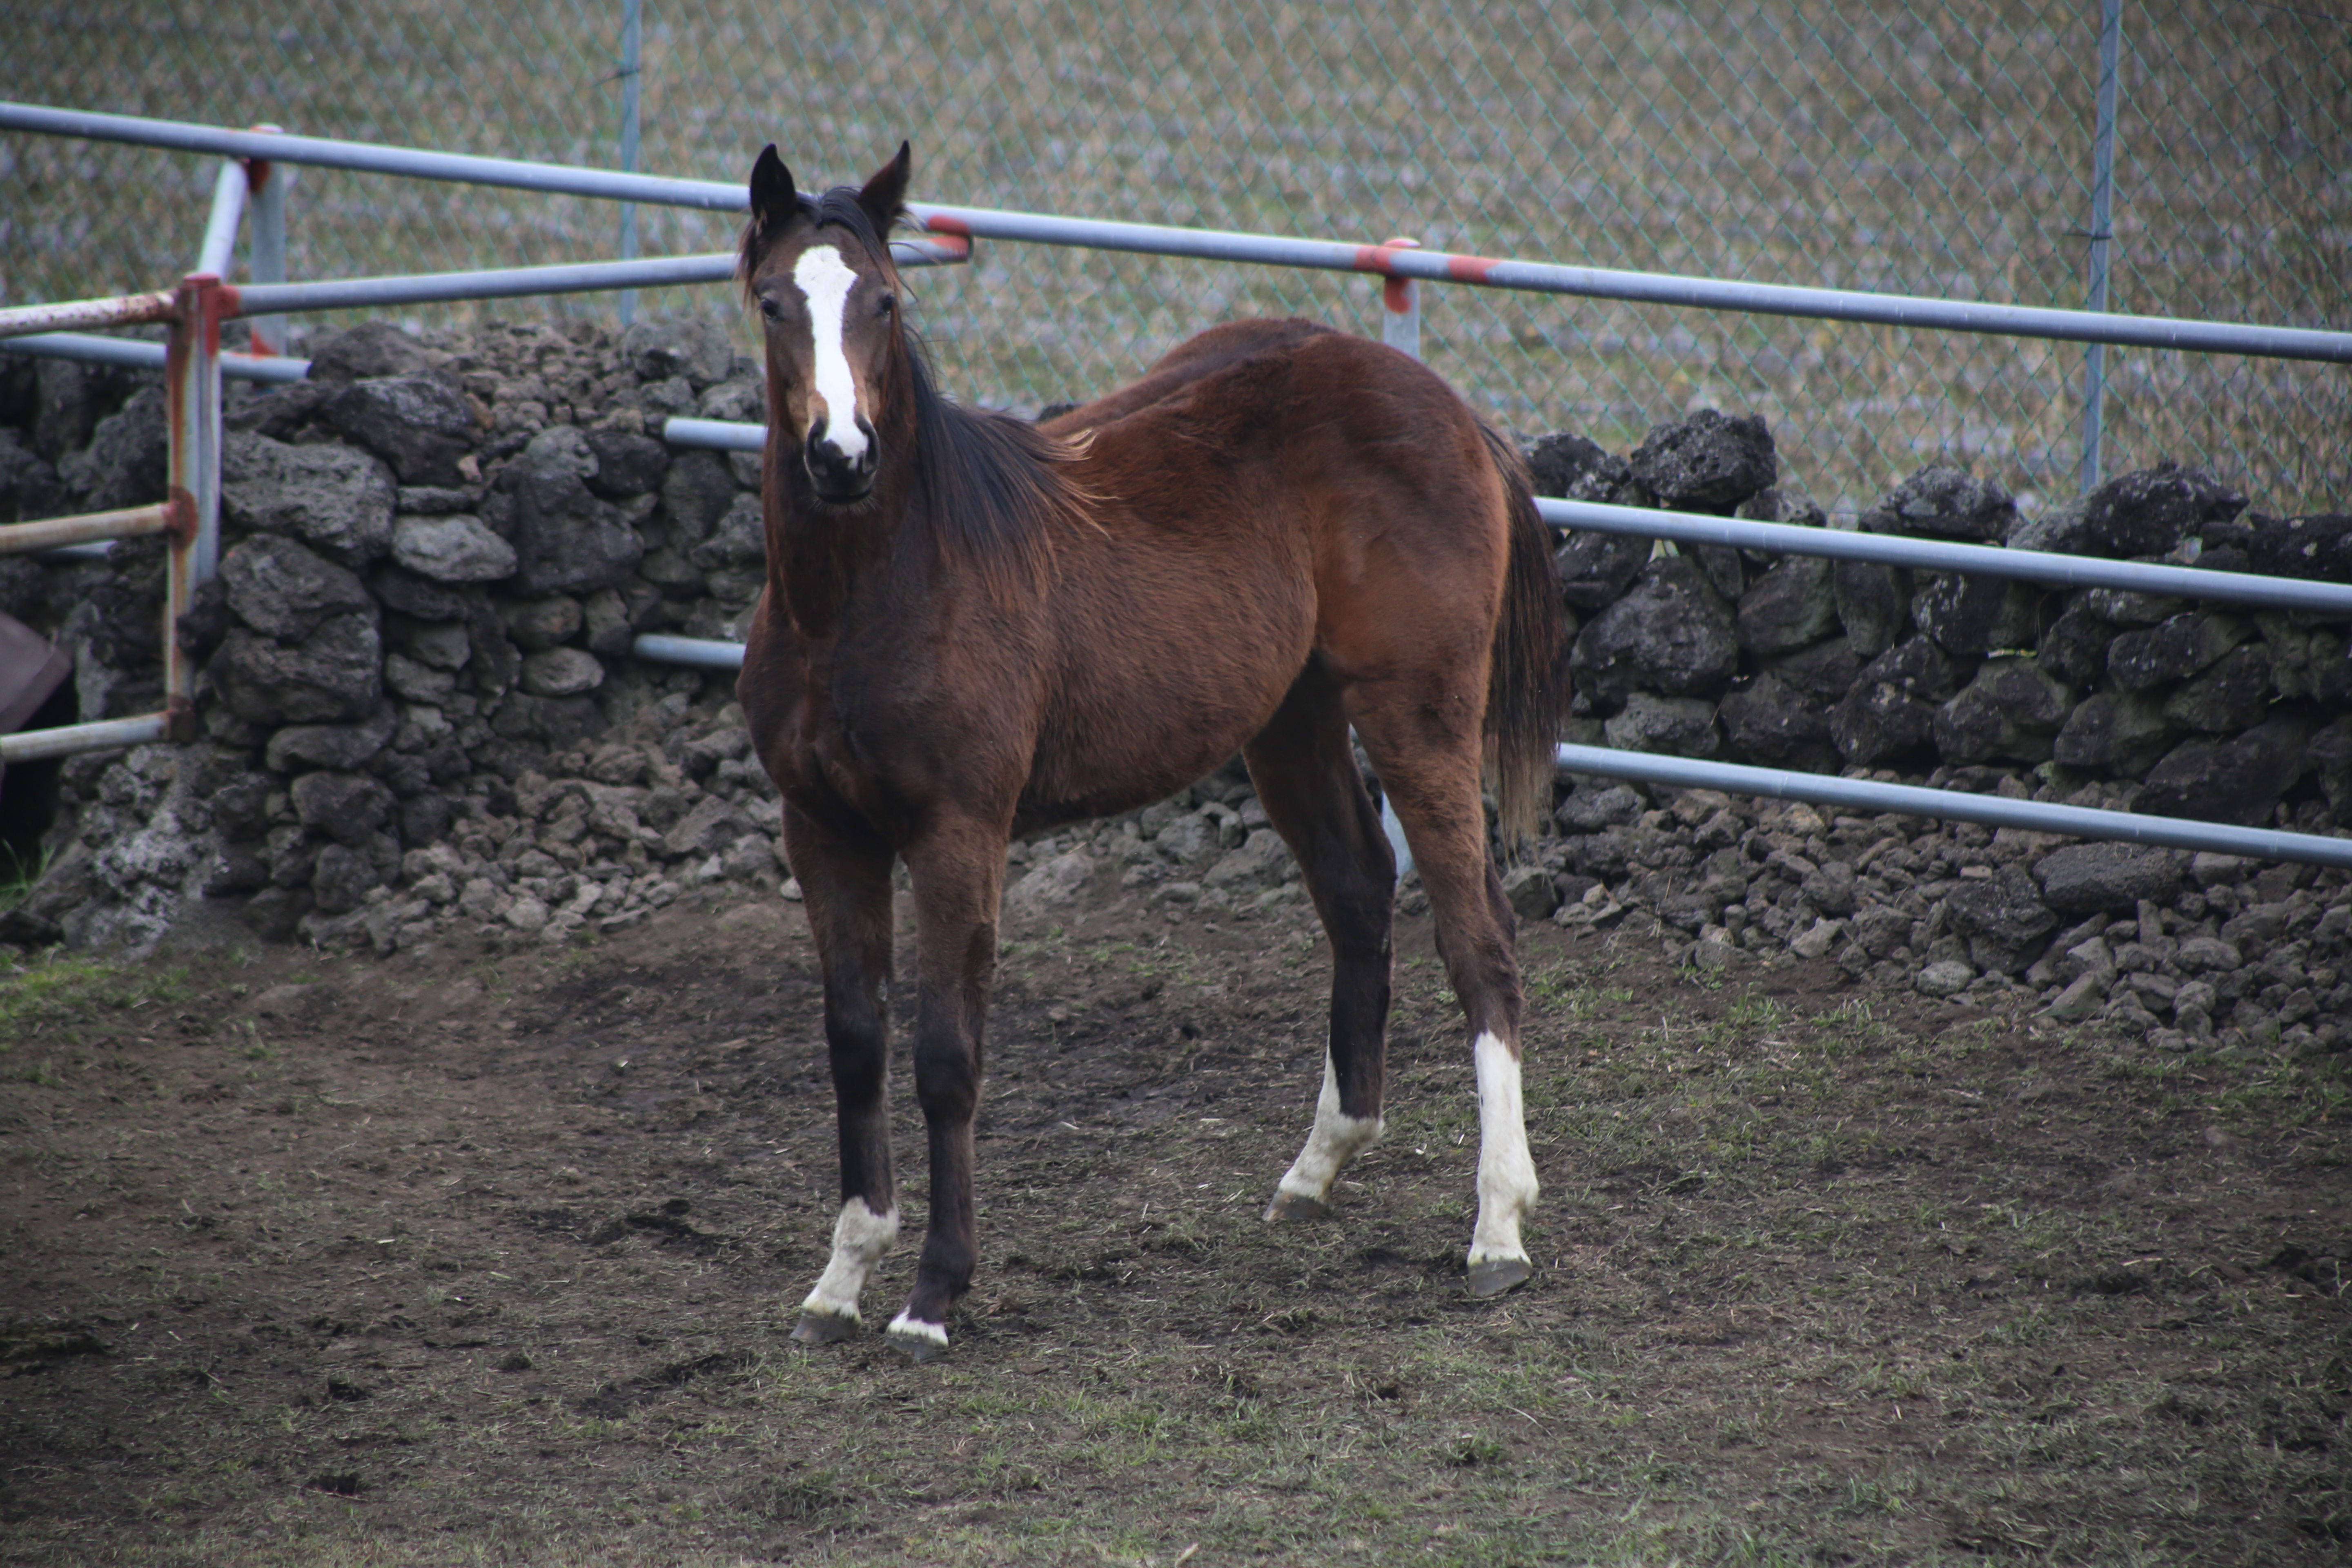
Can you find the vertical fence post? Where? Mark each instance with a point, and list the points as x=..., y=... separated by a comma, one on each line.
x=264, y=241
x=2103, y=182
x=632, y=51
x=191, y=390
x=1400, y=330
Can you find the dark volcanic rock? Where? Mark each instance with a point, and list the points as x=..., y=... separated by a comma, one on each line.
x=2236, y=688
x=346, y=807
x=1793, y=606
x=566, y=539
x=2117, y=732
x=1873, y=604
x=338, y=501
x=1668, y=634
x=1680, y=726
x=370, y=350
x=130, y=458
x=1824, y=672
x=2010, y=710
x=627, y=464
x=1706, y=463
x=2149, y=512
x=334, y=676
x=420, y=425
x=1945, y=503
x=2004, y=920
x=2074, y=648
x=1573, y=469
x=1595, y=569
x=1889, y=712
x=2236, y=780
x=276, y=586
x=1772, y=723
x=1971, y=615
x=2173, y=651
x=2317, y=546
x=2081, y=879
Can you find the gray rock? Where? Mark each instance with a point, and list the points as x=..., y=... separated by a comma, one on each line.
x=1774, y=724
x=1668, y=634
x=1595, y=569
x=712, y=825
x=1590, y=810
x=1707, y=462
x=277, y=586
x=2122, y=607
x=1823, y=672
x=346, y=807
x=698, y=490
x=371, y=350
x=1830, y=887
x=2122, y=734
x=459, y=548
x=1972, y=615
x=1877, y=723
x=740, y=539
x=2207, y=955
x=560, y=672
x=418, y=424
x=436, y=501
x=334, y=676
x=2177, y=649
x=2082, y=998
x=2003, y=918
x=411, y=681
x=336, y=500
x=536, y=624
x=1946, y=977
x=2330, y=751
x=2236, y=780
x=1679, y=726
x=2316, y=546
x=627, y=464
x=567, y=539
x=2074, y=648
x=1945, y=503
x=1873, y=604
x=2080, y=878
x=2010, y=710
x=2150, y=512
x=340, y=747
x=342, y=879
x=1573, y=469
x=420, y=597
x=2058, y=530
x=443, y=645
x=1793, y=606
x=1262, y=861
x=697, y=350
x=2237, y=686
x=129, y=457
x=1531, y=891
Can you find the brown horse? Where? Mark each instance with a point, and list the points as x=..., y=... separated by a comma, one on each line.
x=974, y=628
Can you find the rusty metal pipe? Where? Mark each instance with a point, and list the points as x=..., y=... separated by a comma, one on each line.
x=123, y=311
x=131, y=523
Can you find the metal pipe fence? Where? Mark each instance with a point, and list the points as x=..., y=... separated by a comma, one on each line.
x=195, y=366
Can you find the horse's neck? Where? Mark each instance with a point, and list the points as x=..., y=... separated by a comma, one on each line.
x=828, y=555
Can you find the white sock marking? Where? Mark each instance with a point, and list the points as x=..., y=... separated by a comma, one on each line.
x=916, y=1328
x=860, y=1238
x=825, y=281
x=1336, y=1138
x=1506, y=1173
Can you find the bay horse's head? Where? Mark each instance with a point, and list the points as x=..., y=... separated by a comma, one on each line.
x=818, y=270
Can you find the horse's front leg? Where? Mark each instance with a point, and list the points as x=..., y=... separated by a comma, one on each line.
x=958, y=871
x=844, y=880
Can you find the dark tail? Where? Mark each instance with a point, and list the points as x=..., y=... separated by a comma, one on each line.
x=1526, y=680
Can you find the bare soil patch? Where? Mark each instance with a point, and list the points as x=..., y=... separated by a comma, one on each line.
x=458, y=1257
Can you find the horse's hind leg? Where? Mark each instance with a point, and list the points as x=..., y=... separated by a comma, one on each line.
x=1306, y=776
x=845, y=882
x=1426, y=754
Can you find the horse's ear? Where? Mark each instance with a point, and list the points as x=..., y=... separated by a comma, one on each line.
x=774, y=200
x=885, y=195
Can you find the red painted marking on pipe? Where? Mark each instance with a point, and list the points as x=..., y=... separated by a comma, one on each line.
x=957, y=245
x=940, y=222
x=179, y=720
x=1376, y=258
x=180, y=517
x=1396, y=293
x=256, y=173
x=1470, y=268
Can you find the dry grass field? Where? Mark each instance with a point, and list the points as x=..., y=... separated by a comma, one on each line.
x=1916, y=149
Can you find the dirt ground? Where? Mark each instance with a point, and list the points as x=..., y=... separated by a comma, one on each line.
x=473, y=1258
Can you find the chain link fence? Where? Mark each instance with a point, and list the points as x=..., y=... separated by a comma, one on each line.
x=1943, y=150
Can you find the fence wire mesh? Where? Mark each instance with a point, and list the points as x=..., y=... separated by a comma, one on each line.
x=1928, y=149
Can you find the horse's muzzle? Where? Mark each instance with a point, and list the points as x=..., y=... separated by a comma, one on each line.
x=839, y=476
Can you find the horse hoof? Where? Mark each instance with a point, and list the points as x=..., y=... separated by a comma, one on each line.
x=823, y=1328
x=1297, y=1205
x=923, y=1343
x=1497, y=1275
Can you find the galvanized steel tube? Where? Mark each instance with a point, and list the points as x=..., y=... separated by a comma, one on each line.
x=219, y=247
x=1958, y=805
x=95, y=348
x=701, y=652
x=32, y=745
x=721, y=435
x=1935, y=555
x=123, y=311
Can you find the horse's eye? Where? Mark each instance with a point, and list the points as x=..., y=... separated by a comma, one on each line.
x=885, y=304
x=769, y=309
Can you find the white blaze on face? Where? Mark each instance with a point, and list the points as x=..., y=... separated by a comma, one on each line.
x=860, y=1238
x=1336, y=1138
x=825, y=282
x=1506, y=1173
